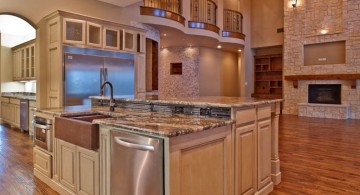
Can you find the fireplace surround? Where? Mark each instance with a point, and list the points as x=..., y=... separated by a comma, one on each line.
x=324, y=93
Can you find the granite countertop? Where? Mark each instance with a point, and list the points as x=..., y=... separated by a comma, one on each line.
x=20, y=95
x=155, y=123
x=215, y=101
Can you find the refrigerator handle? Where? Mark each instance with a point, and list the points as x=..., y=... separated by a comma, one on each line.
x=106, y=74
x=101, y=76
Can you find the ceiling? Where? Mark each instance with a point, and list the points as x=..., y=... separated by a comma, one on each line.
x=121, y=3
x=171, y=37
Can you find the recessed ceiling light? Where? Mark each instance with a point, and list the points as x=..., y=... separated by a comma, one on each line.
x=239, y=50
x=165, y=34
x=219, y=46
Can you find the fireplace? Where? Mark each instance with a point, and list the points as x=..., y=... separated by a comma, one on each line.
x=324, y=93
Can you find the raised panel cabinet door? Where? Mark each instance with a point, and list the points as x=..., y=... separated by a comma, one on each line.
x=42, y=162
x=88, y=171
x=245, y=160
x=264, y=153
x=31, y=118
x=32, y=61
x=67, y=165
x=74, y=31
x=202, y=165
x=17, y=115
x=141, y=42
x=140, y=74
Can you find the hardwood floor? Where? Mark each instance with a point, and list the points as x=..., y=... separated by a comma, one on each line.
x=319, y=156
x=16, y=165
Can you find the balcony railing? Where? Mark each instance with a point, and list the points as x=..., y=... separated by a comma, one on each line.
x=233, y=24
x=203, y=15
x=170, y=9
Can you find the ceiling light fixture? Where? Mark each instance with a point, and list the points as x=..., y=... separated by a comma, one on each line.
x=239, y=50
x=165, y=34
x=219, y=46
x=293, y=3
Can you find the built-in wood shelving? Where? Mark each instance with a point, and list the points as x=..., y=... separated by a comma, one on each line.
x=351, y=77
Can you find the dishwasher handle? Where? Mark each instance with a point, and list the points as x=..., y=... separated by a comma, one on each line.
x=120, y=141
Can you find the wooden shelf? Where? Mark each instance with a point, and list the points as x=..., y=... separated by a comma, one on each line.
x=350, y=77
x=268, y=76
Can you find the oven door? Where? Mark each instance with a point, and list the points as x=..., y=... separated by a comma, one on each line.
x=42, y=136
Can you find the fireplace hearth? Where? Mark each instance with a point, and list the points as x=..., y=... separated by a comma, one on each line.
x=324, y=93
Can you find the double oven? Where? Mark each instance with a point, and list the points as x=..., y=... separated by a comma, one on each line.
x=43, y=131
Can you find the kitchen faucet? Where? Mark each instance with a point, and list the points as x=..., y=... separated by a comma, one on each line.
x=112, y=101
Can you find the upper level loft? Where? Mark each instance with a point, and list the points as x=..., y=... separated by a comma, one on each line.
x=194, y=18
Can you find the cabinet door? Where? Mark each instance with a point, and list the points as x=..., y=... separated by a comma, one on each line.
x=264, y=153
x=5, y=111
x=22, y=63
x=74, y=31
x=140, y=75
x=245, y=160
x=67, y=164
x=16, y=65
x=129, y=40
x=88, y=171
x=201, y=164
x=141, y=43
x=42, y=162
x=17, y=116
x=27, y=63
x=32, y=61
x=94, y=34
x=111, y=39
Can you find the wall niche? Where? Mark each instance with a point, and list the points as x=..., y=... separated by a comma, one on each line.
x=325, y=53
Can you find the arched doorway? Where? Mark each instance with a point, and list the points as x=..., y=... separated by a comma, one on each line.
x=15, y=33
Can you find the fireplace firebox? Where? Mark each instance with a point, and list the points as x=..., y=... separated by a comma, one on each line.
x=324, y=93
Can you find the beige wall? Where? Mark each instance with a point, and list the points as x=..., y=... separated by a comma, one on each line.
x=34, y=10
x=266, y=17
x=218, y=73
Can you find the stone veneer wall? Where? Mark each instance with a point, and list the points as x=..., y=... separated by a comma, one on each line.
x=185, y=85
x=303, y=25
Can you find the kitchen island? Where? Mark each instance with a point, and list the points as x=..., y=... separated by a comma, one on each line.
x=212, y=145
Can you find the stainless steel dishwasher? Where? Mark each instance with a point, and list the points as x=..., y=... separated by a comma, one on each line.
x=136, y=164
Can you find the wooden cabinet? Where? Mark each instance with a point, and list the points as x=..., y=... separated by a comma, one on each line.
x=129, y=40
x=78, y=168
x=252, y=151
x=268, y=76
x=10, y=111
x=74, y=31
x=264, y=153
x=24, y=61
x=42, y=162
x=201, y=163
x=94, y=34
x=61, y=29
x=111, y=38
x=141, y=42
x=140, y=84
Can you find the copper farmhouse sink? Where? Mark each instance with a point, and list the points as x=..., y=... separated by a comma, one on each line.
x=79, y=130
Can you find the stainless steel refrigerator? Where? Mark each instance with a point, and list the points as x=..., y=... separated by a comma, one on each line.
x=87, y=69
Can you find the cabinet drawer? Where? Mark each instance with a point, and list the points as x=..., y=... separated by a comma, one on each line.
x=42, y=162
x=32, y=104
x=14, y=101
x=4, y=99
x=245, y=116
x=264, y=112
